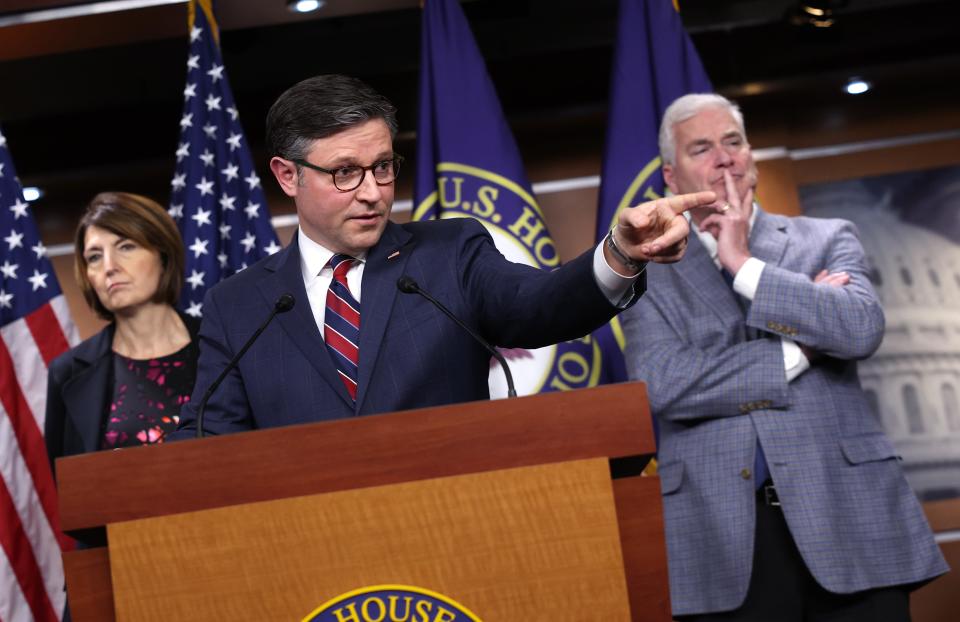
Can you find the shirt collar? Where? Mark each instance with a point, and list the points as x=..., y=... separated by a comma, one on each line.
x=314, y=257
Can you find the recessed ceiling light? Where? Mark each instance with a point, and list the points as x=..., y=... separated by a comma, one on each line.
x=857, y=86
x=31, y=193
x=304, y=6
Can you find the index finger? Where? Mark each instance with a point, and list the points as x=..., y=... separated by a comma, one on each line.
x=680, y=203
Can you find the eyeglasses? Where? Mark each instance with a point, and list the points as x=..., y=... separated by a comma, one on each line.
x=347, y=178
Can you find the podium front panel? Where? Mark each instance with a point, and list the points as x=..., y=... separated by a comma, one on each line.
x=529, y=543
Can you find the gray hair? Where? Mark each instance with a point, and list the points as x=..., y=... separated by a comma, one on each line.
x=319, y=107
x=687, y=107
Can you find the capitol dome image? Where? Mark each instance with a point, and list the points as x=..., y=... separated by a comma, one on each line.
x=913, y=380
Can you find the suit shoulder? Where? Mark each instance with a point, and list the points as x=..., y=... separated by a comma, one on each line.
x=444, y=228
x=239, y=284
x=823, y=226
x=87, y=350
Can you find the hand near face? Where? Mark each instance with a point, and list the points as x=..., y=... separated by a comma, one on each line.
x=657, y=230
x=730, y=225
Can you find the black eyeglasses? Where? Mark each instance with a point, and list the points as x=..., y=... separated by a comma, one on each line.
x=347, y=178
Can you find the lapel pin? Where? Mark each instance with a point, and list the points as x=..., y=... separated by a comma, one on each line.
x=393, y=254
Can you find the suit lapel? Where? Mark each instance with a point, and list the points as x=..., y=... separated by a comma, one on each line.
x=299, y=323
x=768, y=238
x=85, y=395
x=385, y=264
x=703, y=276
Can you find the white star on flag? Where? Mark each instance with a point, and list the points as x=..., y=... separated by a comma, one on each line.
x=226, y=202
x=176, y=211
x=39, y=249
x=213, y=103
x=19, y=209
x=271, y=248
x=9, y=270
x=199, y=247
x=216, y=72
x=207, y=157
x=186, y=121
x=234, y=141
x=248, y=242
x=190, y=91
x=38, y=280
x=179, y=181
x=231, y=172
x=5, y=299
x=252, y=180
x=195, y=279
x=183, y=151
x=202, y=217
x=252, y=210
x=193, y=62
x=14, y=240
x=194, y=309
x=205, y=187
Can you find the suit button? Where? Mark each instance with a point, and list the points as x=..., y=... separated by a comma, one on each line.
x=745, y=474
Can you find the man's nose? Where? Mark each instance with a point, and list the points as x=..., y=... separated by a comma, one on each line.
x=724, y=158
x=368, y=190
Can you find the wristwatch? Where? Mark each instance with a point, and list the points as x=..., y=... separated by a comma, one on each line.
x=629, y=262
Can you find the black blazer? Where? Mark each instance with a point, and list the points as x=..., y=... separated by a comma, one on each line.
x=79, y=386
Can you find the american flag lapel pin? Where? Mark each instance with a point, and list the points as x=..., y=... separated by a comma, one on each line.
x=393, y=254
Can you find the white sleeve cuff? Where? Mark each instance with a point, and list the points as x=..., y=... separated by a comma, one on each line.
x=615, y=287
x=747, y=279
x=795, y=361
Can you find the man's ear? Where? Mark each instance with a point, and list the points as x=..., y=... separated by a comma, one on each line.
x=286, y=174
x=669, y=179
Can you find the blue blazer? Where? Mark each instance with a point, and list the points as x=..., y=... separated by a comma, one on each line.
x=715, y=391
x=411, y=355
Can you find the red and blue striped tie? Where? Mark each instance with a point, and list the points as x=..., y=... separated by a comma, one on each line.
x=341, y=324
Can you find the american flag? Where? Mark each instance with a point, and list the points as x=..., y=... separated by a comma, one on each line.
x=217, y=199
x=35, y=327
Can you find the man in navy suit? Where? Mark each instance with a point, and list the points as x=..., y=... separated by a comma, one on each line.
x=353, y=345
x=783, y=499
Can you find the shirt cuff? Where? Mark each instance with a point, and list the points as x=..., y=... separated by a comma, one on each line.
x=795, y=361
x=748, y=278
x=616, y=288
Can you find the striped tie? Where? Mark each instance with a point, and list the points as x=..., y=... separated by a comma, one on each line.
x=341, y=324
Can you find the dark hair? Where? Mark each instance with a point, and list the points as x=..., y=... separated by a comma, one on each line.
x=145, y=222
x=319, y=107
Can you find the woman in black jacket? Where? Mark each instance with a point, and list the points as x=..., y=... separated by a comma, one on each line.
x=125, y=385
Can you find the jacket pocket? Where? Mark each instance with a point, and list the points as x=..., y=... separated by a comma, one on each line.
x=868, y=448
x=671, y=476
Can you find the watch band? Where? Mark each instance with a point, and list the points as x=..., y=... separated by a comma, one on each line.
x=629, y=262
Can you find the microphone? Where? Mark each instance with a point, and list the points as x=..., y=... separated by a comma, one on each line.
x=283, y=304
x=408, y=286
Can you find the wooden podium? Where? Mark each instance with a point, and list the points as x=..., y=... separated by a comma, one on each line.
x=522, y=509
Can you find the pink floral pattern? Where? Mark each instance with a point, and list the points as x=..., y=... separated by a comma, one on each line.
x=147, y=398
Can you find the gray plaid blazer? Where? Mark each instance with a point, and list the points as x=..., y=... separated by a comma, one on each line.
x=715, y=391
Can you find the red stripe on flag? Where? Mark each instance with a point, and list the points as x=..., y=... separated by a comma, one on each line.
x=14, y=541
x=47, y=332
x=30, y=439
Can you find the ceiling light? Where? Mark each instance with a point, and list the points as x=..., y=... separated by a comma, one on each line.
x=31, y=193
x=304, y=6
x=856, y=86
